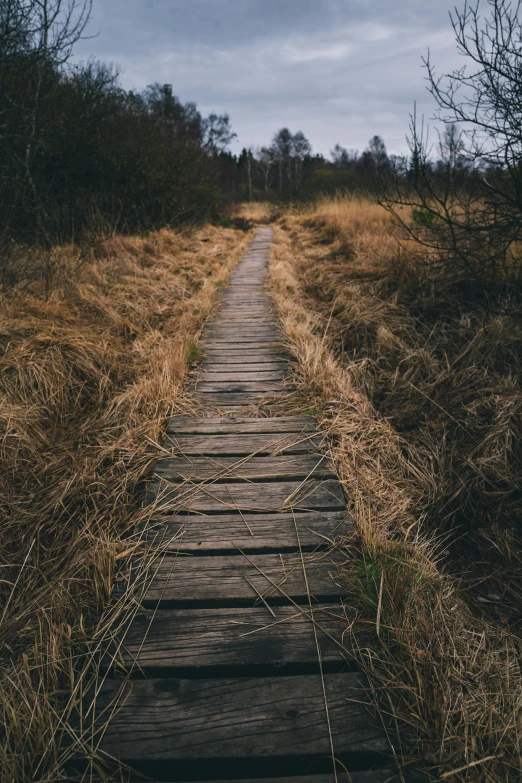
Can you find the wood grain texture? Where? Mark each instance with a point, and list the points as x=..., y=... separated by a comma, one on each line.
x=239, y=425
x=233, y=375
x=277, y=532
x=181, y=638
x=246, y=497
x=244, y=445
x=231, y=469
x=245, y=367
x=238, y=357
x=233, y=580
x=240, y=400
x=230, y=387
x=246, y=344
x=237, y=326
x=173, y=719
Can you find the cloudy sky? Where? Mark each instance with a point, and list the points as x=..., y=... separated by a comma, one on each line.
x=339, y=70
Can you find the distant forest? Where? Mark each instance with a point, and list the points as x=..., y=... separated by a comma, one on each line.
x=288, y=169
x=81, y=157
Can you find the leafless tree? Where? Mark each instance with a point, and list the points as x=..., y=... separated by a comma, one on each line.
x=36, y=38
x=266, y=163
x=301, y=148
x=468, y=206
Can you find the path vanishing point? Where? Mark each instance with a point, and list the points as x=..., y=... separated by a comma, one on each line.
x=236, y=660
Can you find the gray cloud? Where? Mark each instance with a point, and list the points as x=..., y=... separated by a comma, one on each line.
x=340, y=70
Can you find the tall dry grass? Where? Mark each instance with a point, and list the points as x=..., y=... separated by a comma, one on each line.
x=254, y=211
x=87, y=379
x=419, y=388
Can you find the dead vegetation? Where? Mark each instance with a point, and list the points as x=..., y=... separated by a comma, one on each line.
x=418, y=385
x=255, y=211
x=88, y=377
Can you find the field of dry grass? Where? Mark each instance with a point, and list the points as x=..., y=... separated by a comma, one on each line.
x=88, y=377
x=419, y=388
x=255, y=211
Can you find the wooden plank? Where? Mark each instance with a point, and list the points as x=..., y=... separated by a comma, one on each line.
x=244, y=307
x=250, y=309
x=237, y=425
x=238, y=386
x=223, y=325
x=208, y=375
x=293, y=466
x=250, y=314
x=241, y=399
x=175, y=720
x=253, y=343
x=209, y=346
x=220, y=580
x=276, y=532
x=180, y=638
x=242, y=335
x=240, y=329
x=237, y=372
x=245, y=497
x=238, y=357
x=229, y=320
x=253, y=443
x=216, y=367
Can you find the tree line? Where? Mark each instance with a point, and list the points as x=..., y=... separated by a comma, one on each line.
x=80, y=155
x=287, y=169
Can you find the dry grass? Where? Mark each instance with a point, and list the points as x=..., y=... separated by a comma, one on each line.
x=419, y=389
x=254, y=211
x=87, y=380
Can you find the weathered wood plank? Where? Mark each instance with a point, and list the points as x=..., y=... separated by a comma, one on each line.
x=252, y=312
x=289, y=467
x=261, y=327
x=230, y=387
x=208, y=375
x=239, y=357
x=236, y=367
x=235, y=329
x=258, y=341
x=175, y=720
x=276, y=532
x=241, y=399
x=181, y=638
x=312, y=495
x=220, y=579
x=238, y=425
x=253, y=443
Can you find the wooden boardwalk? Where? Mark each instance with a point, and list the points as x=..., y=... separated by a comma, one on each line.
x=236, y=659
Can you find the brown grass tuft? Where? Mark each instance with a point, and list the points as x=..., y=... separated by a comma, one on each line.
x=419, y=389
x=87, y=380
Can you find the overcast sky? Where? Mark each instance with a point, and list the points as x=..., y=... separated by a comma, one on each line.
x=339, y=70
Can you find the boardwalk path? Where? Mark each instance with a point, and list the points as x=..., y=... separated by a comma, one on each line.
x=237, y=614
